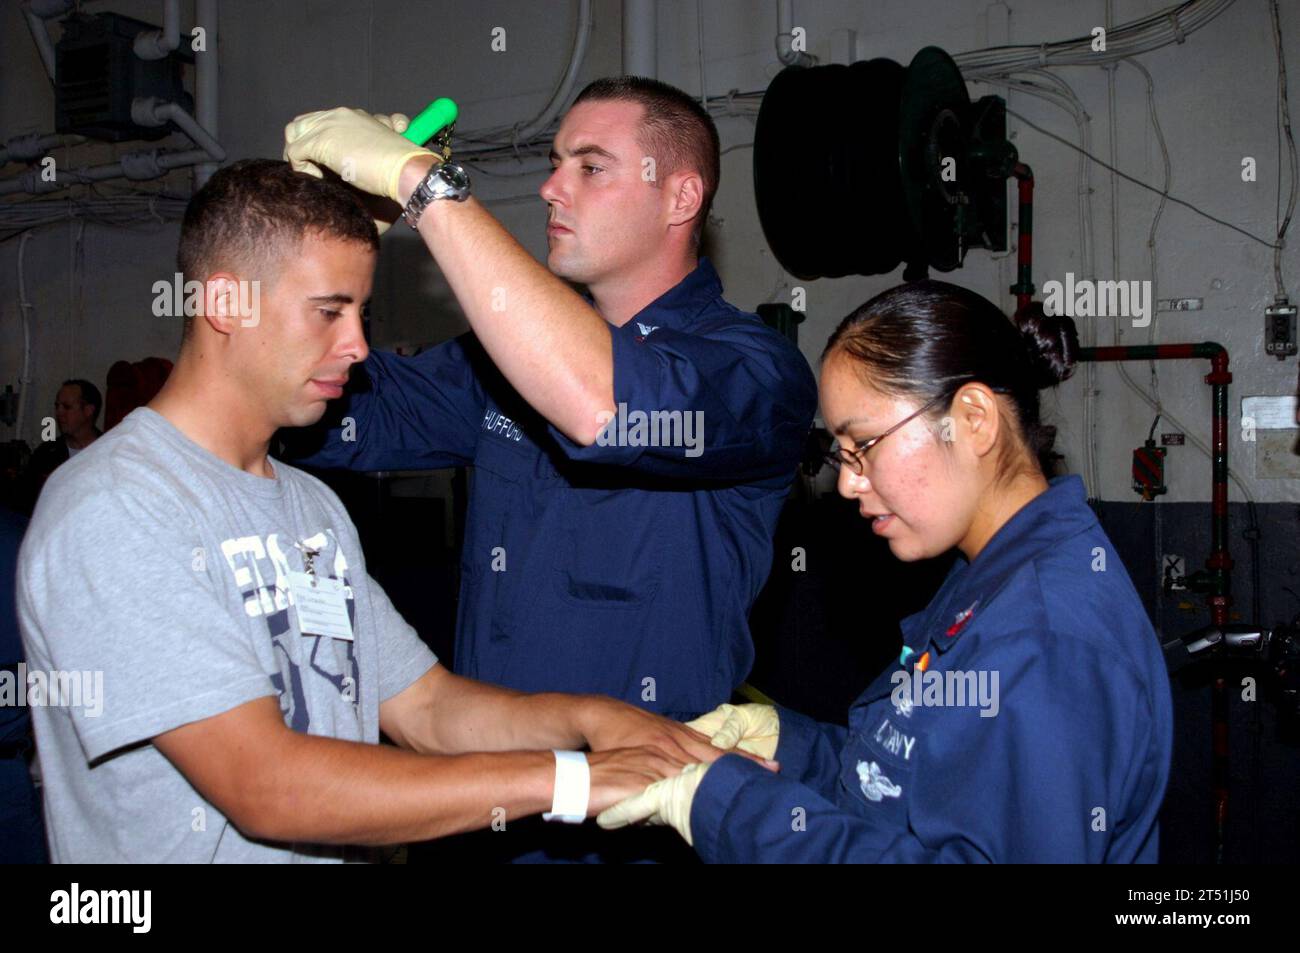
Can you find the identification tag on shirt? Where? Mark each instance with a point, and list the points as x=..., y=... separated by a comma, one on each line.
x=322, y=606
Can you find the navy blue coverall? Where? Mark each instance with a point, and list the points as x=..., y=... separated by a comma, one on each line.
x=627, y=569
x=1064, y=759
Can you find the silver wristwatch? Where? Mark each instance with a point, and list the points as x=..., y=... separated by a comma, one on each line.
x=446, y=180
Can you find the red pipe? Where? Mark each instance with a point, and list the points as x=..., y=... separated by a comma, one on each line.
x=1023, y=289
x=1219, y=563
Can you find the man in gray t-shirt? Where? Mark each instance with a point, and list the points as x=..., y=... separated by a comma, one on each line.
x=209, y=666
x=168, y=570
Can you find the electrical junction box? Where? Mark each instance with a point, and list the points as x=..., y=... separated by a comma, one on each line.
x=1149, y=471
x=1279, y=329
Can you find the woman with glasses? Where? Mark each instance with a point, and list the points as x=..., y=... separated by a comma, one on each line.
x=1028, y=716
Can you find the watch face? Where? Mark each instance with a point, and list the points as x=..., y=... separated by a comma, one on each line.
x=455, y=176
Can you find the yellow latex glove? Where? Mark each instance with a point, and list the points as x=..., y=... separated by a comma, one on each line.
x=664, y=802
x=365, y=150
x=752, y=728
x=394, y=121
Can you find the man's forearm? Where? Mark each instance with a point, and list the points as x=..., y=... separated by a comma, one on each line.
x=550, y=344
x=280, y=785
x=467, y=715
x=327, y=791
x=443, y=713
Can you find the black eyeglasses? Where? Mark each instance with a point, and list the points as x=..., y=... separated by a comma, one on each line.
x=854, y=458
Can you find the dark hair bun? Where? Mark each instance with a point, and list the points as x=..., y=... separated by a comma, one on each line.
x=1052, y=341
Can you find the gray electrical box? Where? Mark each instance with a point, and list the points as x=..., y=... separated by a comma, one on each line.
x=1279, y=329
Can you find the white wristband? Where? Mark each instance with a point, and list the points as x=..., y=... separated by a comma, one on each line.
x=572, y=788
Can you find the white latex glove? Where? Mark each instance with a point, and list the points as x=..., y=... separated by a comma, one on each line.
x=752, y=728
x=664, y=802
x=365, y=150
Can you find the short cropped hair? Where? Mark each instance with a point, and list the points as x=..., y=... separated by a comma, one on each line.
x=675, y=130
x=253, y=212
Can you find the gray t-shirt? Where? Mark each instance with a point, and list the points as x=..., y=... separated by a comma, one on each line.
x=157, y=564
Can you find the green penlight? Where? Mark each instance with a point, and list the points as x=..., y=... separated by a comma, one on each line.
x=438, y=115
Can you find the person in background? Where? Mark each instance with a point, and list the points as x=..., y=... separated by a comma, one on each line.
x=76, y=410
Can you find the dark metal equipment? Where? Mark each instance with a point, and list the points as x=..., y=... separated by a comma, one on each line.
x=858, y=168
x=98, y=76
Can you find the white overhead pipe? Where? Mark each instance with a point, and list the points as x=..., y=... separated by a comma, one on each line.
x=137, y=166
x=205, y=82
x=42, y=39
x=640, y=38
x=158, y=44
x=36, y=12
x=33, y=145
x=784, y=28
x=151, y=111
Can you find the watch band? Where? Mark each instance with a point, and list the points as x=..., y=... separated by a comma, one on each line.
x=446, y=180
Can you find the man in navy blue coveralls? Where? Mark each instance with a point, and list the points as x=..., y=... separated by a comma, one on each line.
x=623, y=570
x=596, y=558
